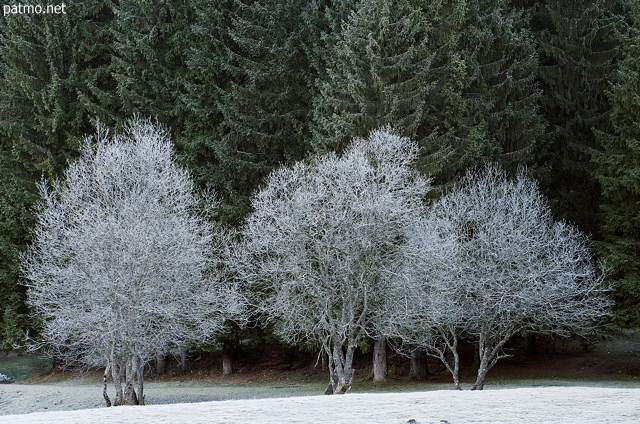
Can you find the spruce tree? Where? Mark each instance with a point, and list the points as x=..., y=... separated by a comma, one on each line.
x=53, y=83
x=265, y=104
x=324, y=20
x=501, y=60
x=488, y=93
x=207, y=77
x=397, y=63
x=150, y=43
x=618, y=171
x=578, y=48
x=378, y=75
x=458, y=139
x=16, y=197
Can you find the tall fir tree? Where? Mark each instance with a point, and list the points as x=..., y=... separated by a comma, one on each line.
x=53, y=82
x=378, y=74
x=207, y=77
x=17, y=195
x=501, y=60
x=458, y=76
x=149, y=63
x=395, y=63
x=618, y=171
x=265, y=103
x=324, y=19
x=458, y=139
x=578, y=49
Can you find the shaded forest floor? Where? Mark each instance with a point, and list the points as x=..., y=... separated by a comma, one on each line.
x=613, y=358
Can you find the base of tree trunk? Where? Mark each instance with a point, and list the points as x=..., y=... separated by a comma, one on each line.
x=227, y=361
x=104, y=389
x=380, y=360
x=342, y=389
x=329, y=390
x=419, y=369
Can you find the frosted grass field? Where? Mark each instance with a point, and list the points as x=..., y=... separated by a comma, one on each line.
x=569, y=404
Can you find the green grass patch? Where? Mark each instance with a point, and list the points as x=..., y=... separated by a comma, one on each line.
x=22, y=368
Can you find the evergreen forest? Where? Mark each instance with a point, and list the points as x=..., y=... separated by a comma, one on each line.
x=245, y=86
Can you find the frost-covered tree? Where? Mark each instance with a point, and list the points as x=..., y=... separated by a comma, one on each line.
x=489, y=262
x=323, y=240
x=431, y=316
x=119, y=265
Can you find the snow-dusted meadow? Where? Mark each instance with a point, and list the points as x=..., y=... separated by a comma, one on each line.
x=537, y=405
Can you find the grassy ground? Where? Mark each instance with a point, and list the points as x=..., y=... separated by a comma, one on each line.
x=22, y=368
x=277, y=372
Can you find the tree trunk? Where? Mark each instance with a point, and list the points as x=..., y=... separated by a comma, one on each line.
x=333, y=378
x=105, y=378
x=476, y=355
x=140, y=377
x=324, y=361
x=345, y=377
x=160, y=362
x=116, y=375
x=455, y=368
x=380, y=359
x=130, y=397
x=227, y=360
x=183, y=360
x=340, y=368
x=489, y=352
x=483, y=369
x=419, y=365
x=330, y=387
x=447, y=351
x=130, y=394
x=345, y=384
x=451, y=360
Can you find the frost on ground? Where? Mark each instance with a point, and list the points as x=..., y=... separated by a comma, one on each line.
x=523, y=405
